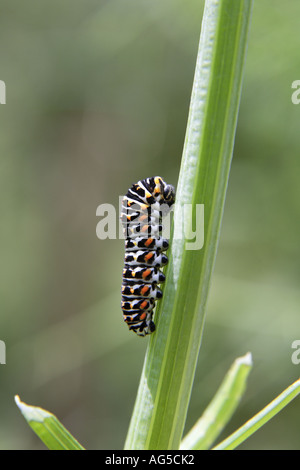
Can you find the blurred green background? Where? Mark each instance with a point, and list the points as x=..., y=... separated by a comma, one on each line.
x=97, y=98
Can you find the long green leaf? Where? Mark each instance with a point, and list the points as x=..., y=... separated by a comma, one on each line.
x=260, y=418
x=49, y=429
x=160, y=410
x=221, y=408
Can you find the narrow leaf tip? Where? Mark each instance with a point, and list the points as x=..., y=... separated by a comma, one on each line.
x=246, y=359
x=31, y=413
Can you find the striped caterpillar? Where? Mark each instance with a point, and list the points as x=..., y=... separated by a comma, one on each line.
x=143, y=207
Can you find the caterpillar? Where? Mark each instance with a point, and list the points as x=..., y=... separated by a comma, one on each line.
x=143, y=207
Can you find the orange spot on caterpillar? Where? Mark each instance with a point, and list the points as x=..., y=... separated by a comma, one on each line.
x=145, y=289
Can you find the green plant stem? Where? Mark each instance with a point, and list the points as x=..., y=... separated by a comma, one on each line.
x=163, y=396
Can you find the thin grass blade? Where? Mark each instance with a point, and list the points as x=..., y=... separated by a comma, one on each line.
x=48, y=428
x=221, y=408
x=255, y=423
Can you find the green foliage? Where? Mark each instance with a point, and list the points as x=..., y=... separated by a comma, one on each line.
x=49, y=429
x=221, y=408
x=165, y=387
x=97, y=98
x=260, y=418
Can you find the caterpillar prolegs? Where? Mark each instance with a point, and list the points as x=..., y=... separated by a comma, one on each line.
x=143, y=207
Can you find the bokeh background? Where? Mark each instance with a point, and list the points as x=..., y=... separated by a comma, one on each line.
x=97, y=98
